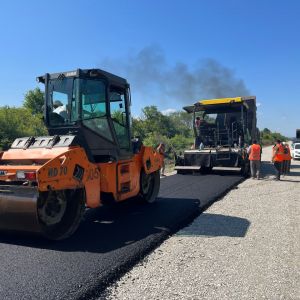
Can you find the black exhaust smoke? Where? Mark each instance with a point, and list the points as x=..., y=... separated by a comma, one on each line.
x=149, y=73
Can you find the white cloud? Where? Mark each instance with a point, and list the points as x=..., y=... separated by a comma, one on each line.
x=168, y=111
x=258, y=104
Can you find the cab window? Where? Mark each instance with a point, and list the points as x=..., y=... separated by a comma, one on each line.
x=93, y=106
x=93, y=99
x=58, y=109
x=119, y=112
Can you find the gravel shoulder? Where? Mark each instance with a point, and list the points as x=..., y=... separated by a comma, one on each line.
x=245, y=246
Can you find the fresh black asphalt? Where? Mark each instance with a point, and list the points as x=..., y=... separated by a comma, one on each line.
x=109, y=241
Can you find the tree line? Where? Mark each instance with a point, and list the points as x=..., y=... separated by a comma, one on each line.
x=268, y=137
x=22, y=121
x=175, y=130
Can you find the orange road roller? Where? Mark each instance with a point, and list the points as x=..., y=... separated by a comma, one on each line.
x=89, y=157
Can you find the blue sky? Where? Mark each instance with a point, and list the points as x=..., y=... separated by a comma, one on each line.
x=258, y=41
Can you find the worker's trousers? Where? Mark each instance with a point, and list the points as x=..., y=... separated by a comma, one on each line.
x=286, y=165
x=163, y=167
x=289, y=166
x=278, y=166
x=255, y=168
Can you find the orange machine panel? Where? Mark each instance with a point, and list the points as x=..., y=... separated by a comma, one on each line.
x=32, y=154
x=129, y=178
x=108, y=177
x=152, y=160
x=69, y=170
x=121, y=178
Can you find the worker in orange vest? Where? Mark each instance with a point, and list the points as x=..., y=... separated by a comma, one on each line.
x=286, y=159
x=277, y=158
x=161, y=150
x=254, y=152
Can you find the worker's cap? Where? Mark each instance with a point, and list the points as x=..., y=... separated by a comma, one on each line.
x=57, y=103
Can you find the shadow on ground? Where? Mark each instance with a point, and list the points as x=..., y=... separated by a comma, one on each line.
x=293, y=173
x=107, y=229
x=267, y=169
x=293, y=169
x=293, y=166
x=284, y=179
x=213, y=172
x=214, y=225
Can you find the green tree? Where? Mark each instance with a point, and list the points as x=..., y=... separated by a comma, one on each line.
x=180, y=143
x=155, y=121
x=138, y=128
x=174, y=130
x=266, y=131
x=268, y=137
x=34, y=101
x=18, y=122
x=153, y=139
x=182, y=123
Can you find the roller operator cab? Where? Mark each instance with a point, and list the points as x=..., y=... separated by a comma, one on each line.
x=223, y=129
x=87, y=159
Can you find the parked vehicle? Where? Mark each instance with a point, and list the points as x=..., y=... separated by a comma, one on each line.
x=295, y=151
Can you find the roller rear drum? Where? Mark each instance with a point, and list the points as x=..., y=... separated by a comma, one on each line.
x=54, y=214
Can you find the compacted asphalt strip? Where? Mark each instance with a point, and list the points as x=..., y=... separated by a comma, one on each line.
x=108, y=243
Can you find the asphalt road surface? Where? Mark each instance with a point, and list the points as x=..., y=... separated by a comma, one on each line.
x=109, y=241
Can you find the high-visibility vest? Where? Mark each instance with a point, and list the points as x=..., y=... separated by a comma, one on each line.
x=286, y=153
x=279, y=156
x=255, y=152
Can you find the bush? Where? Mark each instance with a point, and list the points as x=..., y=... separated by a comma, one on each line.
x=18, y=122
x=269, y=138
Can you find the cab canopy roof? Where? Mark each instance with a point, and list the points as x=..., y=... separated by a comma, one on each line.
x=221, y=105
x=86, y=73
